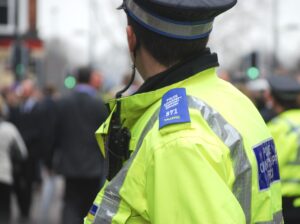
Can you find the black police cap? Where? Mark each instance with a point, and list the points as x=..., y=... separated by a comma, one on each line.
x=181, y=19
x=284, y=87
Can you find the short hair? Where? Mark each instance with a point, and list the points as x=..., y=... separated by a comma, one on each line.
x=167, y=51
x=84, y=74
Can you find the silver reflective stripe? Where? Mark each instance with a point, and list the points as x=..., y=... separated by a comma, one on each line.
x=233, y=140
x=111, y=199
x=277, y=219
x=167, y=27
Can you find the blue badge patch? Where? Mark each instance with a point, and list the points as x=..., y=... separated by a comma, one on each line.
x=93, y=209
x=174, y=108
x=92, y=213
x=266, y=157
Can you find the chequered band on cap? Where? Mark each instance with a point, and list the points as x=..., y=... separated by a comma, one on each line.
x=168, y=27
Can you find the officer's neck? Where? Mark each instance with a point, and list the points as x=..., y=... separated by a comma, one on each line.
x=147, y=65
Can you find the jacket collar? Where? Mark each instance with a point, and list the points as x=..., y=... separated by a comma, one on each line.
x=133, y=107
x=85, y=88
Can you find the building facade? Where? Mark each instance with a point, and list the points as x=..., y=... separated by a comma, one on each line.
x=21, y=50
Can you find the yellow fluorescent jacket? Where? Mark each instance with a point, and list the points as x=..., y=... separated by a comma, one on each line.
x=205, y=170
x=285, y=130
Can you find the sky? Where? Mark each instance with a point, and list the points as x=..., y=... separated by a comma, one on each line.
x=95, y=30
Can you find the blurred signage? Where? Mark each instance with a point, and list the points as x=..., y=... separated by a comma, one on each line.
x=33, y=44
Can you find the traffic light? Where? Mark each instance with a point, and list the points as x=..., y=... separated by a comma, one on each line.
x=70, y=82
x=252, y=71
x=19, y=60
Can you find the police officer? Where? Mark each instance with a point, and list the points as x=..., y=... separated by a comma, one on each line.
x=285, y=128
x=199, y=150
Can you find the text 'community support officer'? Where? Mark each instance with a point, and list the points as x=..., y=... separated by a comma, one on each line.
x=187, y=147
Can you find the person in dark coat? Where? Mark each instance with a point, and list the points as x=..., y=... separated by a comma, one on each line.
x=26, y=118
x=47, y=108
x=77, y=156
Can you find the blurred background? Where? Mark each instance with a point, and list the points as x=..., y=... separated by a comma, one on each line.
x=58, y=35
x=46, y=41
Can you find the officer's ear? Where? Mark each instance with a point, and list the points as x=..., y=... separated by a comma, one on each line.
x=131, y=38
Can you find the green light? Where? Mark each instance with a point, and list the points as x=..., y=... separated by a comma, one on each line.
x=253, y=73
x=20, y=69
x=70, y=82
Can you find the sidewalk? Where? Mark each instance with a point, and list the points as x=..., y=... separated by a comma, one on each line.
x=47, y=203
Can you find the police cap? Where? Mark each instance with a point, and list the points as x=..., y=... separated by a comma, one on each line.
x=284, y=87
x=180, y=19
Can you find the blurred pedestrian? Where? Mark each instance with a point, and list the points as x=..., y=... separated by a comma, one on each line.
x=47, y=109
x=77, y=155
x=257, y=93
x=193, y=144
x=12, y=152
x=26, y=117
x=12, y=100
x=285, y=129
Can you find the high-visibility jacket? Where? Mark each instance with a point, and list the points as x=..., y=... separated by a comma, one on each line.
x=201, y=153
x=285, y=129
